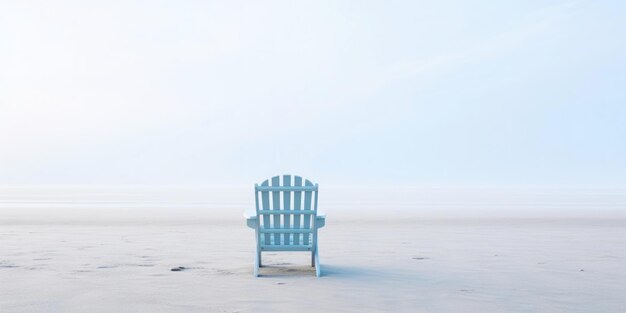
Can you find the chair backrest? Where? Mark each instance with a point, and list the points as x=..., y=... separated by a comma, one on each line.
x=286, y=208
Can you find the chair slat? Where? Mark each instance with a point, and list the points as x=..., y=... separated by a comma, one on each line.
x=286, y=207
x=307, y=207
x=276, y=206
x=297, y=202
x=265, y=200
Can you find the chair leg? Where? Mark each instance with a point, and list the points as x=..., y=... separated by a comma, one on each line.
x=260, y=262
x=313, y=258
x=257, y=262
x=318, y=269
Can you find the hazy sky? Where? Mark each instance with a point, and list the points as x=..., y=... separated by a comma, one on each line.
x=343, y=92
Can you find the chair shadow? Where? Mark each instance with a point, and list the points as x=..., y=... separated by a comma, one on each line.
x=274, y=271
x=286, y=270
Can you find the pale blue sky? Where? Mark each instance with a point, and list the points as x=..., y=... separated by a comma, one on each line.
x=391, y=92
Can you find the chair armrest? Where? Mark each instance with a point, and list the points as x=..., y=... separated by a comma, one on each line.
x=321, y=219
x=250, y=216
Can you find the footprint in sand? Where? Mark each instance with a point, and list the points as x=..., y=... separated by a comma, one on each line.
x=7, y=264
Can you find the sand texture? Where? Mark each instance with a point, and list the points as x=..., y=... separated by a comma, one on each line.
x=385, y=261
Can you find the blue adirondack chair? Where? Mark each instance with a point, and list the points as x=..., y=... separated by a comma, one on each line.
x=286, y=218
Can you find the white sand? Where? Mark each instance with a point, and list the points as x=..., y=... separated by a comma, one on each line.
x=120, y=260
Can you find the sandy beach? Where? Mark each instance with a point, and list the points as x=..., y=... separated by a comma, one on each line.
x=379, y=262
